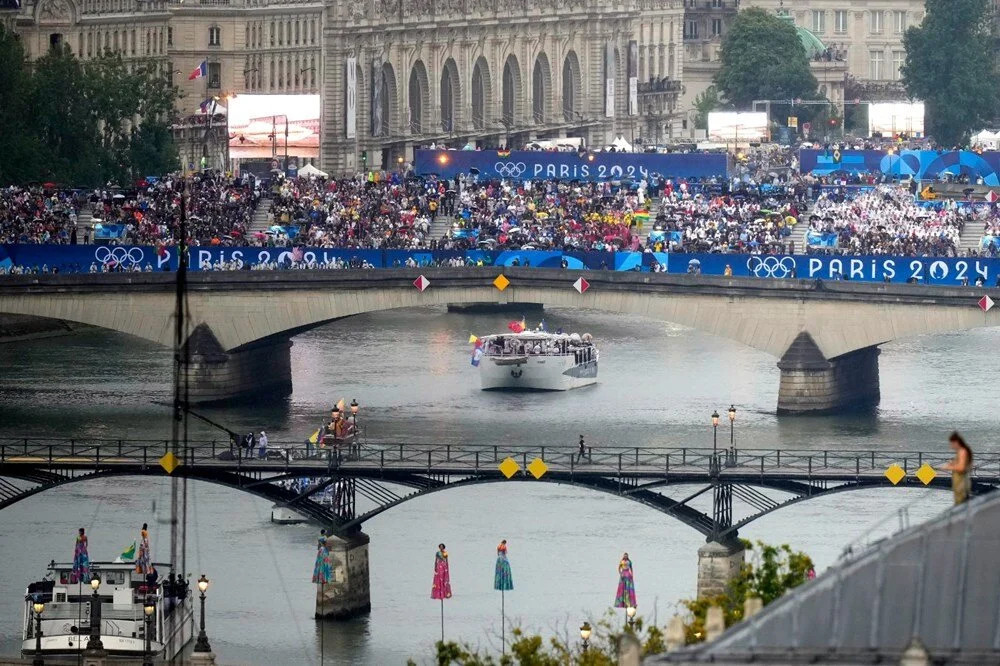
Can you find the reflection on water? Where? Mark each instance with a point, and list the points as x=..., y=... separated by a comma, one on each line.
x=410, y=371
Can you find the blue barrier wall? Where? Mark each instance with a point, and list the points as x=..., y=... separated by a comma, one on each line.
x=922, y=164
x=527, y=164
x=930, y=270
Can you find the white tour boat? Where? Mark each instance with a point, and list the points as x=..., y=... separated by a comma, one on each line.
x=535, y=360
x=66, y=605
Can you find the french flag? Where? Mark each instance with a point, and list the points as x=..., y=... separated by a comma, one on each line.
x=199, y=71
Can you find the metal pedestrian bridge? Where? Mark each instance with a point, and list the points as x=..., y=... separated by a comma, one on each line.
x=324, y=484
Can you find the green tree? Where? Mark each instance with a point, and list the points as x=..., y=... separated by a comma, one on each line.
x=706, y=102
x=19, y=150
x=82, y=123
x=763, y=58
x=62, y=119
x=951, y=65
x=768, y=573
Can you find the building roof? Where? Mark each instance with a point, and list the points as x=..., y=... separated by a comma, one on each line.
x=813, y=45
x=937, y=582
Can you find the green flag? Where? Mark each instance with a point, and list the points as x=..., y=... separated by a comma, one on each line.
x=128, y=553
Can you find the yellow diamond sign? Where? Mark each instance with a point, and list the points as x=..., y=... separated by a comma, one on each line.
x=926, y=474
x=895, y=473
x=538, y=468
x=509, y=468
x=169, y=462
x=501, y=282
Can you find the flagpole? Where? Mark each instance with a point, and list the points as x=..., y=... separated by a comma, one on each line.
x=442, y=619
x=503, y=625
x=322, y=625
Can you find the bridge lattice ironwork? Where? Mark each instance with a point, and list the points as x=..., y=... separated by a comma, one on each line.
x=324, y=484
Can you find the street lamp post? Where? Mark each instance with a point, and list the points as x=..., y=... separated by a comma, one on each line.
x=201, y=645
x=354, y=419
x=39, y=608
x=585, y=635
x=715, y=439
x=732, y=434
x=148, y=608
x=630, y=616
x=95, y=644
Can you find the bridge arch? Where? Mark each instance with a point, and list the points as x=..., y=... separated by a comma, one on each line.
x=765, y=315
x=824, y=335
x=265, y=488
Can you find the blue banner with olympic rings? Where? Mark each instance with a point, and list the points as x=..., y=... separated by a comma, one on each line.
x=589, y=166
x=896, y=269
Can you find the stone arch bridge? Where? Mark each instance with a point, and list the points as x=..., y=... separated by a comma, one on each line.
x=824, y=335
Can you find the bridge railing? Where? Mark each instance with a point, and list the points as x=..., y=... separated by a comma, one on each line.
x=457, y=459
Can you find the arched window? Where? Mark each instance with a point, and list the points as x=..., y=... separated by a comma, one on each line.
x=478, y=98
x=509, y=92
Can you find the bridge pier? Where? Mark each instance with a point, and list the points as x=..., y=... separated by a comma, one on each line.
x=349, y=595
x=813, y=384
x=262, y=368
x=718, y=563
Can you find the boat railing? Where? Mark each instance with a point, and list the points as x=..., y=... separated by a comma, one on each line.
x=505, y=353
x=81, y=611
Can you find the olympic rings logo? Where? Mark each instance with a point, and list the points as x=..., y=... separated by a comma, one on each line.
x=510, y=169
x=775, y=267
x=118, y=255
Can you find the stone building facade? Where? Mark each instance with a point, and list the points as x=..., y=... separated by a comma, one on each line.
x=495, y=72
x=868, y=33
x=485, y=72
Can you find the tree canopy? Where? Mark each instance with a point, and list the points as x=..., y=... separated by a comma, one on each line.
x=763, y=58
x=951, y=66
x=82, y=122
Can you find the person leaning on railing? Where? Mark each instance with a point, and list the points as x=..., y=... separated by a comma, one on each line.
x=960, y=468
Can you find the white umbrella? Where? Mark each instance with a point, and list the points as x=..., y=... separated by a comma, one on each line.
x=309, y=170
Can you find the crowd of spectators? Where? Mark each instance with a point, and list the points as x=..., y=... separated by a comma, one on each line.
x=37, y=215
x=754, y=211
x=218, y=212
x=392, y=213
x=886, y=220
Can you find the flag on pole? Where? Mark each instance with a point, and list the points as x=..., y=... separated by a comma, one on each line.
x=517, y=326
x=207, y=104
x=127, y=555
x=199, y=72
x=473, y=339
x=477, y=355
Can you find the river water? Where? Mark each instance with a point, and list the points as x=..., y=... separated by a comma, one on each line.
x=410, y=371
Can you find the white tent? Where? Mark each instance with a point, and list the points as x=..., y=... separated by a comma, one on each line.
x=308, y=171
x=621, y=145
x=986, y=139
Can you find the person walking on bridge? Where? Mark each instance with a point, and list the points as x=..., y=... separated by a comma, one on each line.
x=582, y=452
x=960, y=468
x=262, y=445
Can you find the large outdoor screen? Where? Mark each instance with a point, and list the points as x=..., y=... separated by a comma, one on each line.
x=731, y=126
x=257, y=125
x=891, y=118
